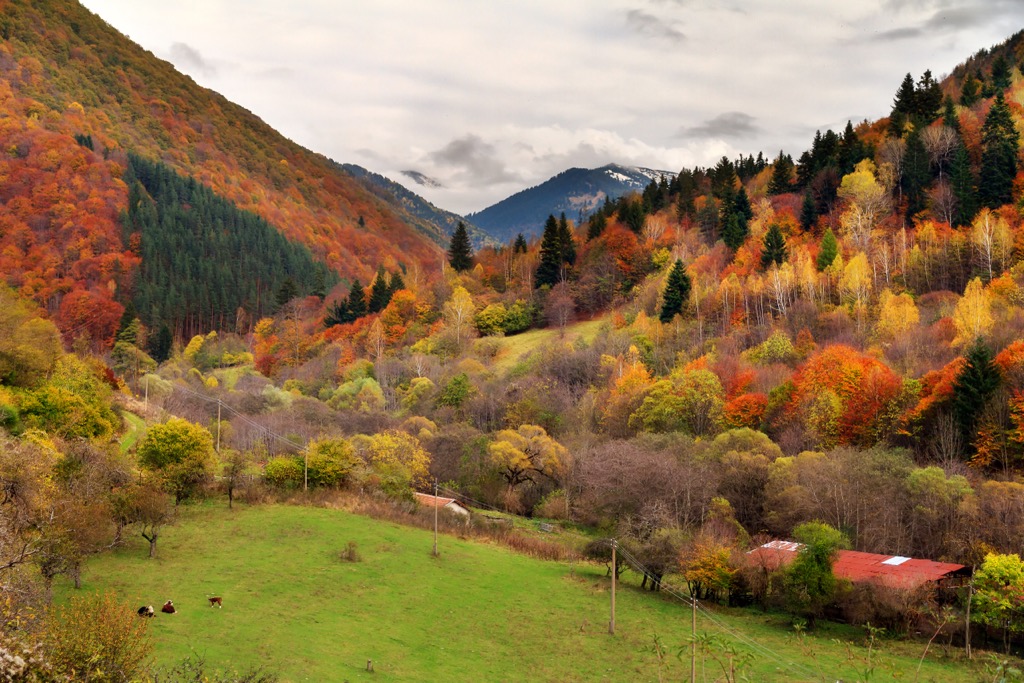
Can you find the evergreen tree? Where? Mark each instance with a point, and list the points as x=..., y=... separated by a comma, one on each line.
x=735, y=231
x=851, y=150
x=286, y=292
x=631, y=212
x=916, y=173
x=782, y=175
x=520, y=246
x=741, y=205
x=999, y=141
x=677, y=293
x=829, y=250
x=397, y=283
x=549, y=269
x=970, y=91
x=902, y=107
x=596, y=225
x=927, y=100
x=338, y=314
x=774, y=247
x=357, y=300
x=1000, y=73
x=808, y=212
x=460, y=253
x=961, y=179
x=568, y=242
x=949, y=117
x=160, y=344
x=380, y=292
x=977, y=381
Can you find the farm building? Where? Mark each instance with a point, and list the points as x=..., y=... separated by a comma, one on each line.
x=442, y=503
x=893, y=571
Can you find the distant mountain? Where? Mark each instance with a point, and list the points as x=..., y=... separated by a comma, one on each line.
x=577, y=192
x=436, y=223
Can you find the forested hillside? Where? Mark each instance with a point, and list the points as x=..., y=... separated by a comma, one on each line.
x=66, y=74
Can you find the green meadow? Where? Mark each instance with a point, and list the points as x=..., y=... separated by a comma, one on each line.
x=476, y=613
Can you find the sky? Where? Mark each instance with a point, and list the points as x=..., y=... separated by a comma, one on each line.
x=468, y=101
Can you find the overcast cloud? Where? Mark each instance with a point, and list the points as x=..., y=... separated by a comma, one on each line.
x=488, y=98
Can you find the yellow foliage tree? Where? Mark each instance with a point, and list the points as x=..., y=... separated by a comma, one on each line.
x=867, y=199
x=523, y=453
x=973, y=314
x=897, y=314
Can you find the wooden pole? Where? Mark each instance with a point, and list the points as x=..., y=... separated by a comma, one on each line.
x=305, y=468
x=693, y=638
x=218, y=425
x=146, y=404
x=967, y=620
x=611, y=622
x=435, y=518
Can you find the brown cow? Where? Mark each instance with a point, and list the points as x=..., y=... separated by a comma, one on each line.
x=216, y=601
x=168, y=608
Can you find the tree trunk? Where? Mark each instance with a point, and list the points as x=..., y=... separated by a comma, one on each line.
x=152, y=542
x=231, y=495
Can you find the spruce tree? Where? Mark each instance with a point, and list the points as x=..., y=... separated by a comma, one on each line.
x=999, y=141
x=916, y=173
x=550, y=267
x=808, y=212
x=460, y=253
x=735, y=231
x=782, y=175
x=380, y=292
x=519, y=246
x=160, y=344
x=961, y=180
x=677, y=293
x=286, y=292
x=337, y=314
x=565, y=237
x=970, y=91
x=397, y=283
x=949, y=117
x=774, y=247
x=357, y=300
x=977, y=381
x=829, y=250
x=1000, y=73
x=741, y=205
x=596, y=225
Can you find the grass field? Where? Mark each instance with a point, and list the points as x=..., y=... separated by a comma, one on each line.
x=514, y=348
x=477, y=613
x=136, y=427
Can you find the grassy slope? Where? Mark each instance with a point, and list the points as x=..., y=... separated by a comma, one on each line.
x=514, y=348
x=135, y=427
x=478, y=613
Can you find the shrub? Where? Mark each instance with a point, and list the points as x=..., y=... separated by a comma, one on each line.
x=284, y=471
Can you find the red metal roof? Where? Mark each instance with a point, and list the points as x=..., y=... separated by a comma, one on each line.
x=430, y=501
x=889, y=570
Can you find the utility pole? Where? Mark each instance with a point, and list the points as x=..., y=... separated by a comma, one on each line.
x=146, y=404
x=305, y=468
x=435, y=518
x=693, y=638
x=615, y=571
x=218, y=425
x=967, y=619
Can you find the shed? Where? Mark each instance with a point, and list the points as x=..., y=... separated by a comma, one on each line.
x=440, y=502
x=894, y=571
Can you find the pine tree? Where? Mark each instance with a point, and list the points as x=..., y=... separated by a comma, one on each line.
x=735, y=232
x=460, y=253
x=1000, y=73
x=829, y=250
x=286, y=292
x=596, y=225
x=550, y=267
x=999, y=142
x=338, y=314
x=977, y=381
x=519, y=246
x=160, y=344
x=741, y=205
x=357, y=300
x=970, y=91
x=677, y=293
x=927, y=100
x=808, y=212
x=568, y=242
x=949, y=117
x=916, y=173
x=782, y=175
x=902, y=107
x=961, y=179
x=397, y=283
x=380, y=292
x=774, y=244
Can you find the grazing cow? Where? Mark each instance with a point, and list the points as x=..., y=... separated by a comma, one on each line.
x=168, y=608
x=147, y=611
x=215, y=602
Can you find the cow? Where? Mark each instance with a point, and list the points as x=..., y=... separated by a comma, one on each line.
x=215, y=602
x=146, y=611
x=168, y=608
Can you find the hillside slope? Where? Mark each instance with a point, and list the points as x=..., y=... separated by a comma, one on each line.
x=65, y=72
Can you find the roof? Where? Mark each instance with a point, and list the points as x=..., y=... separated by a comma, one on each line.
x=427, y=500
x=895, y=571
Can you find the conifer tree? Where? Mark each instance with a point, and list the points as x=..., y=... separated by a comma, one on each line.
x=286, y=292
x=902, y=107
x=677, y=293
x=160, y=344
x=977, y=381
x=741, y=204
x=999, y=142
x=782, y=175
x=357, y=300
x=808, y=212
x=961, y=179
x=550, y=266
x=460, y=253
x=380, y=292
x=774, y=247
x=596, y=225
x=916, y=173
x=519, y=246
x=397, y=283
x=735, y=231
x=970, y=91
x=829, y=250
x=337, y=314
x=1000, y=73
x=568, y=242
x=949, y=117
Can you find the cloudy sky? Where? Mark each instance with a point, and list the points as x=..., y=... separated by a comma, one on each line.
x=487, y=98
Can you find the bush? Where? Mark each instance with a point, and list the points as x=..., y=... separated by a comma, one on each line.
x=350, y=553
x=284, y=471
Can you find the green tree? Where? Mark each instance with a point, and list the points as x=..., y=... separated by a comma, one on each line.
x=774, y=247
x=961, y=180
x=999, y=142
x=782, y=174
x=549, y=270
x=974, y=385
x=568, y=242
x=809, y=583
x=999, y=594
x=916, y=173
x=596, y=225
x=380, y=292
x=829, y=250
x=677, y=293
x=1000, y=73
x=902, y=107
x=519, y=246
x=735, y=232
x=460, y=252
x=330, y=462
x=357, y=307
x=180, y=453
x=808, y=211
x=970, y=90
